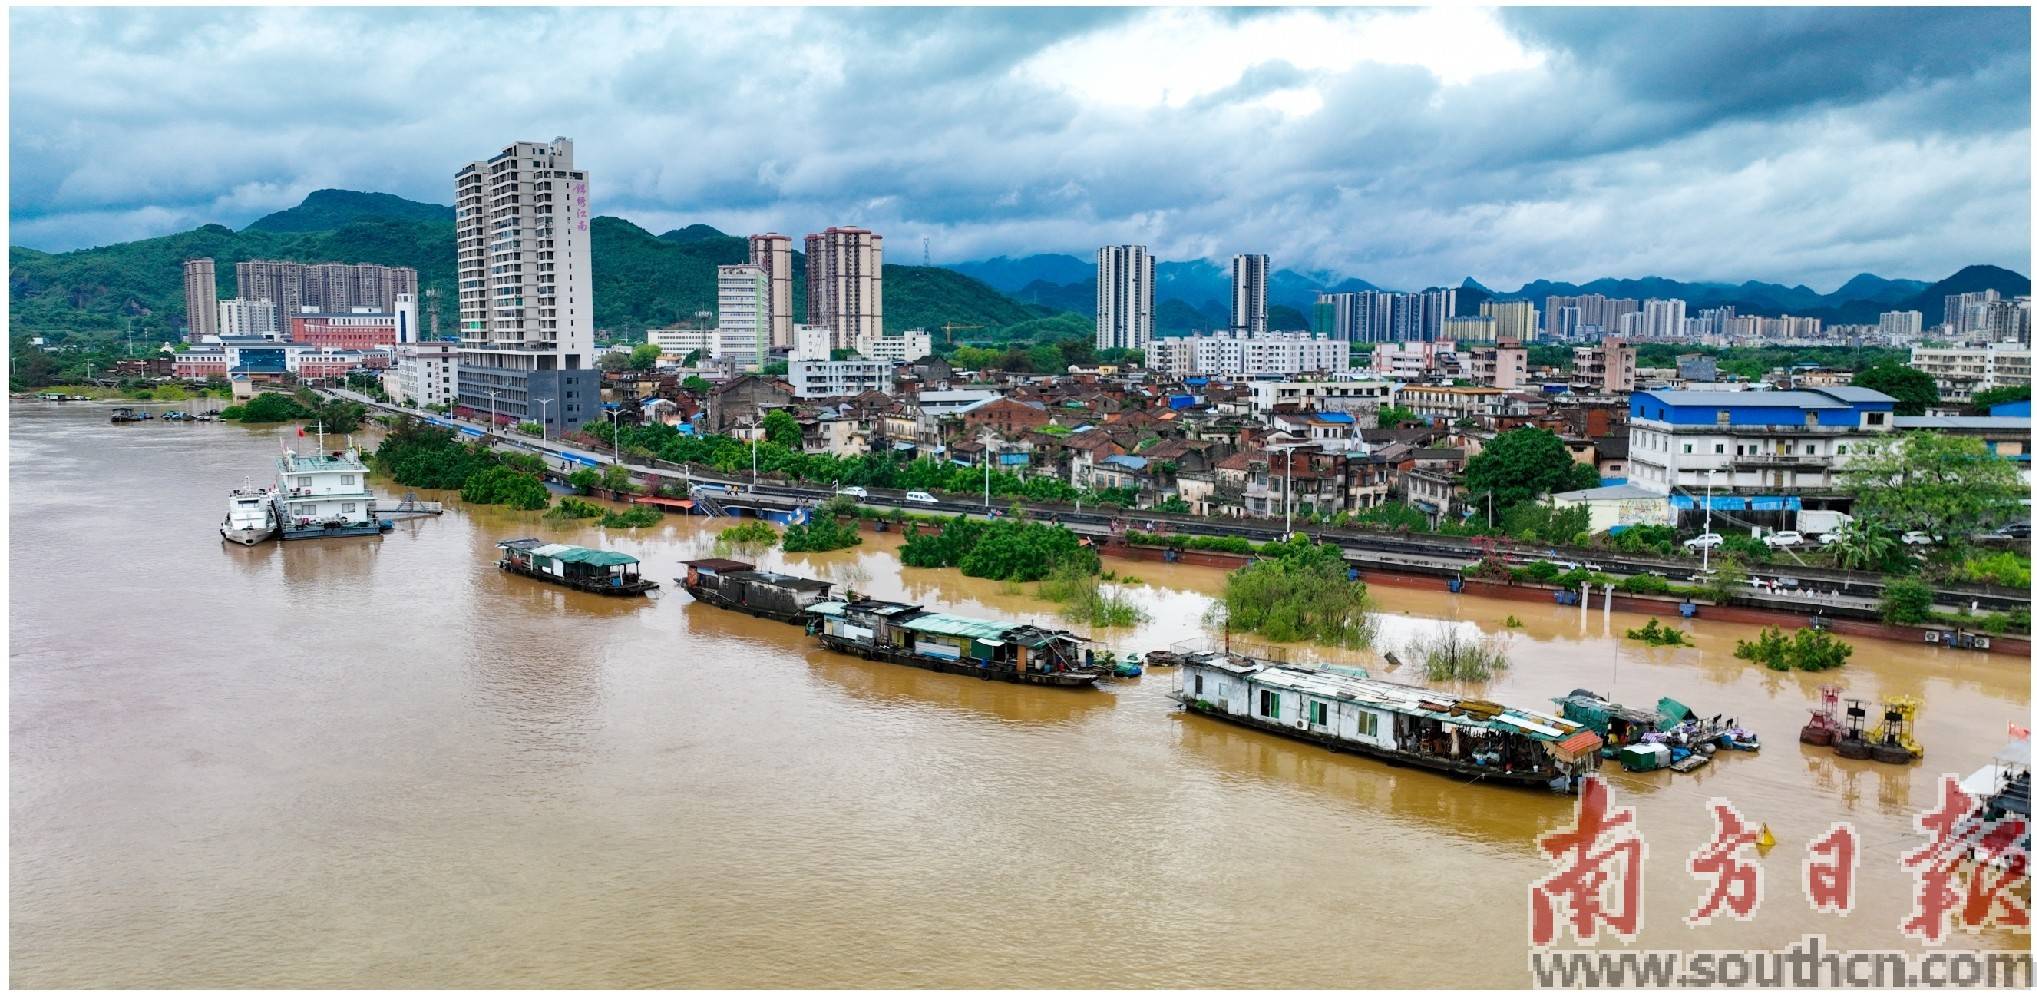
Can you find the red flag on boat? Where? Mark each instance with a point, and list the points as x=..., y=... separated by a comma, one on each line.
x=300, y=431
x=2018, y=732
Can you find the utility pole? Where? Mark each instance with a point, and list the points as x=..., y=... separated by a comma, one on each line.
x=615, y=433
x=1705, y=563
x=544, y=420
x=987, y=438
x=491, y=411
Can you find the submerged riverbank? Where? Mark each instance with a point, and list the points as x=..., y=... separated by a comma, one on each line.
x=383, y=761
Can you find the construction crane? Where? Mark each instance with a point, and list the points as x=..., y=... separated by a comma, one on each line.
x=948, y=331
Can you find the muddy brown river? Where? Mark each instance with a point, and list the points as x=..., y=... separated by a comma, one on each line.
x=383, y=762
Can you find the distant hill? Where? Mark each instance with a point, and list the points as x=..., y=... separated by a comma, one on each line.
x=644, y=281
x=325, y=210
x=699, y=233
x=640, y=280
x=1931, y=300
x=1010, y=275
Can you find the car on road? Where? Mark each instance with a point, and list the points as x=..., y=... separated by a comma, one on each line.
x=1827, y=539
x=921, y=497
x=1704, y=541
x=854, y=492
x=1917, y=538
x=1781, y=540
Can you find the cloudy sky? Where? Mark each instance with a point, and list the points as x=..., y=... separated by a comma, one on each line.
x=1404, y=146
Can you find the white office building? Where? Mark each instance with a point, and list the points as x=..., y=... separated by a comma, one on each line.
x=744, y=316
x=812, y=342
x=1248, y=293
x=1901, y=323
x=1235, y=356
x=427, y=373
x=837, y=378
x=1124, y=297
x=675, y=345
x=241, y=317
x=1321, y=395
x=1662, y=319
x=1962, y=370
x=906, y=347
x=526, y=284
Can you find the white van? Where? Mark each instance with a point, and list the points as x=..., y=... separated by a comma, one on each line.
x=921, y=497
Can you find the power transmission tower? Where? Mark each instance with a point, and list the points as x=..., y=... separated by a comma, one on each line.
x=926, y=252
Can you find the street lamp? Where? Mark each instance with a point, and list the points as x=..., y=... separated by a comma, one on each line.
x=491, y=410
x=1287, y=489
x=988, y=438
x=615, y=432
x=544, y=419
x=1705, y=555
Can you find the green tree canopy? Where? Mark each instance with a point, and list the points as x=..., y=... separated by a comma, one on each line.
x=781, y=428
x=696, y=384
x=1913, y=389
x=644, y=357
x=1948, y=486
x=614, y=362
x=1521, y=465
x=1993, y=396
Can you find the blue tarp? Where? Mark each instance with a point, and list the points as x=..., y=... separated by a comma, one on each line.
x=1730, y=503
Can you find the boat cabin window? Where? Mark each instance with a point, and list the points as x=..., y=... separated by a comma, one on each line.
x=1368, y=724
x=346, y=506
x=1319, y=713
x=347, y=480
x=1198, y=684
x=1269, y=704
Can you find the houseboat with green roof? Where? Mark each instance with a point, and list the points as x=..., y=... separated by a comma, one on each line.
x=937, y=641
x=1346, y=709
x=600, y=572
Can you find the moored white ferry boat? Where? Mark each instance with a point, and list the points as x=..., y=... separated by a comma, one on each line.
x=325, y=495
x=250, y=515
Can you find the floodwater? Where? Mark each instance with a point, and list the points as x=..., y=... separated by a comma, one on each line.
x=382, y=762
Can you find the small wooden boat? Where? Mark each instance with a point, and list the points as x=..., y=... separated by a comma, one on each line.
x=599, y=572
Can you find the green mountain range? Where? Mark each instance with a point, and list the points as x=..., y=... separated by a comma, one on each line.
x=640, y=280
x=650, y=281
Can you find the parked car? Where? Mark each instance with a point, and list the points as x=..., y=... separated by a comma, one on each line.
x=1916, y=538
x=1704, y=541
x=1827, y=539
x=854, y=492
x=2017, y=530
x=1786, y=538
x=921, y=497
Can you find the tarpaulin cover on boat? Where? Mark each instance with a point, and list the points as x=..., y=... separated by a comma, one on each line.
x=1583, y=743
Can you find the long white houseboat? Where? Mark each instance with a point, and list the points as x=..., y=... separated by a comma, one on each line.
x=1402, y=724
x=325, y=495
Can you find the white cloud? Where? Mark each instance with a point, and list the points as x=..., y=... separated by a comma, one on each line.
x=1405, y=146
